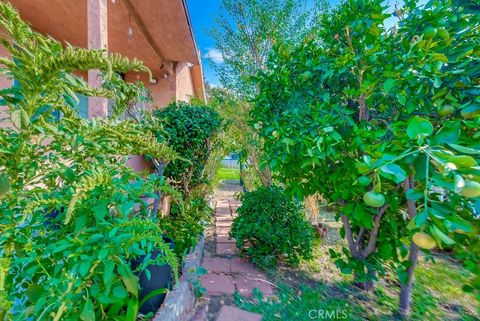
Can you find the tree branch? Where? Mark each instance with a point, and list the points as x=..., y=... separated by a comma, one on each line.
x=372, y=242
x=349, y=236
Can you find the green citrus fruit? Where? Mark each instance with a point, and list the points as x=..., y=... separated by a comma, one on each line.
x=364, y=181
x=374, y=199
x=429, y=32
x=424, y=241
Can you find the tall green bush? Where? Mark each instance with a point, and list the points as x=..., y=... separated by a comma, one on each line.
x=72, y=214
x=189, y=130
x=384, y=123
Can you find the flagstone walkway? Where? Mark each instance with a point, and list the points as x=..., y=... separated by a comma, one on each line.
x=227, y=272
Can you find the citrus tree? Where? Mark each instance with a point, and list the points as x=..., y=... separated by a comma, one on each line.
x=384, y=123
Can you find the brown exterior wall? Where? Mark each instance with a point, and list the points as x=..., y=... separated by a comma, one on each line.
x=163, y=91
x=185, y=89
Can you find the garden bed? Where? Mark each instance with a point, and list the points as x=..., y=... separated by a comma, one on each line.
x=179, y=303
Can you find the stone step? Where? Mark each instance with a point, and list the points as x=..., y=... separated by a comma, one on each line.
x=229, y=313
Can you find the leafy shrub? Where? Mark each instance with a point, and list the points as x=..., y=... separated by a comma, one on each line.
x=186, y=222
x=73, y=215
x=271, y=227
x=188, y=130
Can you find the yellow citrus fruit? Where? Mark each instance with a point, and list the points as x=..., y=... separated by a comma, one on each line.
x=424, y=241
x=470, y=189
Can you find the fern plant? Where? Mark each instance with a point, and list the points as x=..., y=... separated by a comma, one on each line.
x=73, y=214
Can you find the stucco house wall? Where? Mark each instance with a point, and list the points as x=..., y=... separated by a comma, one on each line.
x=185, y=88
x=153, y=37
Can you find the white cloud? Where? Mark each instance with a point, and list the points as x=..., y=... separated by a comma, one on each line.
x=215, y=55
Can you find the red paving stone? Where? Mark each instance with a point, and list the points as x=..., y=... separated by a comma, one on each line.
x=224, y=239
x=222, y=210
x=221, y=203
x=226, y=248
x=216, y=265
x=224, y=215
x=218, y=284
x=228, y=313
x=224, y=224
x=223, y=219
x=240, y=265
x=222, y=230
x=236, y=203
x=225, y=276
x=246, y=284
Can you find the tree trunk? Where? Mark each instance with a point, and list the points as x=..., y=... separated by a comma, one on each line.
x=366, y=285
x=406, y=289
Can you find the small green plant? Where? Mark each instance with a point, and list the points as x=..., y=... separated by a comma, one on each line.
x=304, y=304
x=186, y=222
x=196, y=282
x=270, y=227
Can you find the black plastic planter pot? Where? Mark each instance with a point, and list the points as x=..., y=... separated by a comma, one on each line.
x=160, y=278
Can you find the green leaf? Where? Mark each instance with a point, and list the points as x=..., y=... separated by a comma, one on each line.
x=463, y=161
x=458, y=182
x=458, y=225
x=132, y=310
x=419, y=128
x=449, y=133
x=16, y=118
x=84, y=267
x=119, y=292
x=88, y=311
x=34, y=292
x=393, y=172
x=413, y=195
x=362, y=167
x=388, y=85
x=80, y=223
x=465, y=150
x=401, y=99
x=421, y=218
x=101, y=210
x=129, y=279
x=4, y=184
x=71, y=100
x=440, y=236
x=108, y=271
x=151, y=295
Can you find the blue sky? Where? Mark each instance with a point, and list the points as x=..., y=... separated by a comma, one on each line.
x=202, y=15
